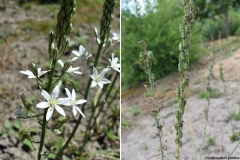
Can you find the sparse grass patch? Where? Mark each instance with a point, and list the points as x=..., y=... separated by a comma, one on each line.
x=235, y=116
x=211, y=141
x=235, y=137
x=197, y=81
x=214, y=94
x=134, y=110
x=165, y=89
x=27, y=5
x=53, y=7
x=171, y=102
x=126, y=124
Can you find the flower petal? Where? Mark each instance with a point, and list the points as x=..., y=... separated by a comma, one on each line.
x=42, y=72
x=73, y=95
x=68, y=93
x=81, y=49
x=43, y=105
x=76, y=53
x=93, y=84
x=74, y=111
x=95, y=72
x=55, y=92
x=60, y=110
x=81, y=101
x=63, y=100
x=100, y=85
x=80, y=111
x=45, y=94
x=61, y=62
x=49, y=113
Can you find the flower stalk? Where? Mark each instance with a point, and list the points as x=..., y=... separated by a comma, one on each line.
x=145, y=60
x=105, y=28
x=184, y=48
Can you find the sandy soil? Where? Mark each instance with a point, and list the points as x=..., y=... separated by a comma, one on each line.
x=140, y=140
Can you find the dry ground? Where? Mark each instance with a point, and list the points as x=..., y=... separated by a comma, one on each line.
x=139, y=139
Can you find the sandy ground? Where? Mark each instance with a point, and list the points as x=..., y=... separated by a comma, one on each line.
x=140, y=140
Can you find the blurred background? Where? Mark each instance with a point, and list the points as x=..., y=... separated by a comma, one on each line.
x=158, y=24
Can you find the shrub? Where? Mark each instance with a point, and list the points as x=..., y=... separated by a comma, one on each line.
x=159, y=27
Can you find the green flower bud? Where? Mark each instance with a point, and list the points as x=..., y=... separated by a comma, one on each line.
x=96, y=32
x=67, y=65
x=24, y=101
x=181, y=28
x=183, y=2
x=34, y=69
x=51, y=37
x=180, y=47
x=150, y=54
x=152, y=76
x=178, y=91
x=54, y=54
x=154, y=114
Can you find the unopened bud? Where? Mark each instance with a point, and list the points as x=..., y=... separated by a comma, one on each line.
x=67, y=65
x=34, y=69
x=96, y=32
x=150, y=54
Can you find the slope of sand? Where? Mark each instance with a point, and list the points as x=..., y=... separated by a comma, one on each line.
x=140, y=142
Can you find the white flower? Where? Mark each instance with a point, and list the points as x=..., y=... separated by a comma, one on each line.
x=98, y=79
x=116, y=36
x=73, y=102
x=31, y=75
x=70, y=70
x=82, y=54
x=52, y=101
x=114, y=64
x=20, y=114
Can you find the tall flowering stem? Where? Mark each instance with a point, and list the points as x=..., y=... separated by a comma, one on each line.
x=145, y=60
x=104, y=42
x=208, y=96
x=184, y=48
x=62, y=29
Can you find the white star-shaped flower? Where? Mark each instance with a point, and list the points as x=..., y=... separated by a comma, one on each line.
x=98, y=79
x=31, y=75
x=82, y=54
x=114, y=64
x=116, y=36
x=70, y=70
x=73, y=102
x=52, y=102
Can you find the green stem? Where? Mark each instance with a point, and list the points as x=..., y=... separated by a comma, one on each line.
x=59, y=154
x=45, y=110
x=234, y=149
x=89, y=128
x=156, y=118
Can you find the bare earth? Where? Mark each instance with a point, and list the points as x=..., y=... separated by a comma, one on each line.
x=140, y=141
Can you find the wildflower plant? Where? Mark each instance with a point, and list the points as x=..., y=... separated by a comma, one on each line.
x=208, y=95
x=184, y=48
x=50, y=87
x=145, y=60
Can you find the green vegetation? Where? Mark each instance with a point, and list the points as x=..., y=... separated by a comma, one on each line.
x=235, y=137
x=134, y=110
x=214, y=94
x=211, y=141
x=162, y=36
x=235, y=116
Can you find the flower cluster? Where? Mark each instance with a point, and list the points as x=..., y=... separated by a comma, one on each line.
x=52, y=101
